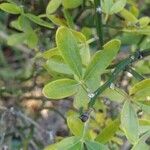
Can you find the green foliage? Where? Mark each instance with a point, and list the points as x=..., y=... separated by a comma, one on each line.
x=129, y=122
x=60, y=88
x=71, y=4
x=10, y=8
x=77, y=71
x=108, y=132
x=67, y=44
x=52, y=6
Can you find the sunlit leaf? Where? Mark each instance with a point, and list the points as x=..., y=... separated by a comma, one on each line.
x=69, y=4
x=128, y=16
x=81, y=98
x=141, y=144
x=91, y=145
x=70, y=143
x=68, y=46
x=129, y=122
x=60, y=88
x=10, y=8
x=52, y=6
x=102, y=59
x=75, y=125
x=141, y=90
x=118, y=6
x=116, y=94
x=57, y=65
x=50, y=53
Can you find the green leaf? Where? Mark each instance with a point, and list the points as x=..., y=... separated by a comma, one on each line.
x=16, y=39
x=68, y=18
x=144, y=31
x=31, y=39
x=69, y=4
x=39, y=21
x=10, y=8
x=80, y=37
x=102, y=59
x=57, y=65
x=70, y=143
x=117, y=6
x=57, y=20
x=129, y=122
x=108, y=132
x=93, y=82
x=68, y=46
x=50, y=53
x=106, y=5
x=144, y=125
x=141, y=144
x=60, y=88
x=140, y=91
x=91, y=145
x=81, y=98
x=24, y=23
x=145, y=106
x=114, y=94
x=144, y=21
x=84, y=47
x=52, y=6
x=15, y=24
x=75, y=125
x=85, y=54
x=128, y=16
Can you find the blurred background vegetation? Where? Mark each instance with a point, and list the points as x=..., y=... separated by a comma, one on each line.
x=27, y=119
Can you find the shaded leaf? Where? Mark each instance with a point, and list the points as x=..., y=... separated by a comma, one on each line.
x=108, y=132
x=31, y=39
x=16, y=39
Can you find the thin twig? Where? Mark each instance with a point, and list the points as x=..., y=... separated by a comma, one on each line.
x=119, y=67
x=135, y=74
x=98, y=17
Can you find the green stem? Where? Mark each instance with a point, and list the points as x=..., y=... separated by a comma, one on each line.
x=135, y=74
x=119, y=67
x=98, y=17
